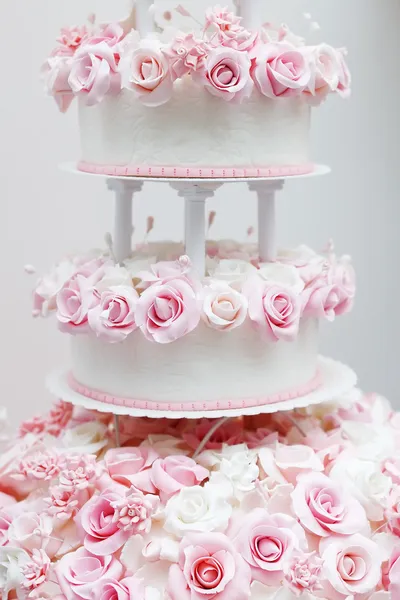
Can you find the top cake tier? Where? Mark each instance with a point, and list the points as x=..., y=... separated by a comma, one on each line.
x=221, y=102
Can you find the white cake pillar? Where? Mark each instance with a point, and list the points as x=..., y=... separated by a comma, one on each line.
x=122, y=237
x=266, y=190
x=144, y=17
x=195, y=196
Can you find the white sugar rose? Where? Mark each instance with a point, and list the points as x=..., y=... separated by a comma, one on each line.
x=308, y=263
x=11, y=562
x=197, y=509
x=88, y=438
x=286, y=275
x=114, y=275
x=223, y=307
x=232, y=271
x=236, y=476
x=365, y=480
x=212, y=459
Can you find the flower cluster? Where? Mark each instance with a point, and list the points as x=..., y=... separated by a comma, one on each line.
x=226, y=59
x=283, y=506
x=166, y=299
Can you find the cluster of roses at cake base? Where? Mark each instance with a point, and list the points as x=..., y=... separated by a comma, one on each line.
x=168, y=300
x=227, y=60
x=274, y=508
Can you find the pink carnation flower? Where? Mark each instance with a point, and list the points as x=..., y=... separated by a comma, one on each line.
x=42, y=466
x=134, y=512
x=303, y=573
x=185, y=54
x=71, y=38
x=80, y=472
x=230, y=32
x=35, y=572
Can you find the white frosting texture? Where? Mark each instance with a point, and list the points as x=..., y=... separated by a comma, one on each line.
x=205, y=365
x=195, y=129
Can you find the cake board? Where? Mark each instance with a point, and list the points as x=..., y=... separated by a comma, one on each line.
x=336, y=379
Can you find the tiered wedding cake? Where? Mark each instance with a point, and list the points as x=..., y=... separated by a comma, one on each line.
x=263, y=474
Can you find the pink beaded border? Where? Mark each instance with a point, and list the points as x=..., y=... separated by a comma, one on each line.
x=195, y=172
x=194, y=406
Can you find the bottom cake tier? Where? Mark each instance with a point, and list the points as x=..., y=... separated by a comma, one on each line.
x=271, y=507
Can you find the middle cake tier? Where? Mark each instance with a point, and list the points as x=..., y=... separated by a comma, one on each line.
x=151, y=330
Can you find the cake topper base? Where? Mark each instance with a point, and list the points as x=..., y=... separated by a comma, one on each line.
x=336, y=379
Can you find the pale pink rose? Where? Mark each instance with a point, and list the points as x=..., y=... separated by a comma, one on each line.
x=167, y=311
x=94, y=73
x=146, y=72
x=5, y=522
x=267, y=542
x=322, y=300
x=130, y=588
x=185, y=54
x=134, y=511
x=230, y=32
x=209, y=567
x=392, y=512
x=352, y=566
x=109, y=33
x=78, y=573
x=308, y=264
x=36, y=571
x=74, y=301
x=230, y=433
x=391, y=573
x=56, y=71
x=280, y=70
x=274, y=309
x=303, y=573
x=390, y=467
x=260, y=437
x=344, y=76
x=285, y=462
x=325, y=68
x=226, y=74
x=341, y=274
x=71, y=38
x=224, y=308
x=113, y=319
x=132, y=467
x=324, y=508
x=164, y=270
x=30, y=530
x=171, y=474
x=102, y=534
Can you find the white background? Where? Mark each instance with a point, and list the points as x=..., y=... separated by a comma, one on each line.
x=47, y=213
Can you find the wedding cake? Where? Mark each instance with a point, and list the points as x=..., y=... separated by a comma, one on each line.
x=200, y=447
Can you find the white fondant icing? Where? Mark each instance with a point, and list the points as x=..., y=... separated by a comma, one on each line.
x=196, y=129
x=205, y=365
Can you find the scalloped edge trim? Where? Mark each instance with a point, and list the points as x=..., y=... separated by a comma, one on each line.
x=195, y=172
x=109, y=399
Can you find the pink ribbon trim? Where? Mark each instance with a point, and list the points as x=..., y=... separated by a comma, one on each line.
x=99, y=396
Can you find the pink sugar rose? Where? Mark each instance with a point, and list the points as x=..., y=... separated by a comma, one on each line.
x=303, y=573
x=226, y=74
x=324, y=508
x=280, y=70
x=74, y=301
x=71, y=38
x=285, y=462
x=5, y=522
x=344, y=76
x=146, y=72
x=167, y=311
x=325, y=67
x=322, y=300
x=130, y=588
x=224, y=308
x=30, y=531
x=274, y=309
x=78, y=572
x=94, y=73
x=392, y=512
x=229, y=433
x=132, y=467
x=308, y=264
x=113, y=319
x=352, y=566
x=209, y=567
x=102, y=533
x=267, y=542
x=171, y=474
x=165, y=270
x=391, y=576
x=185, y=54
x=109, y=33
x=341, y=274
x=56, y=71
